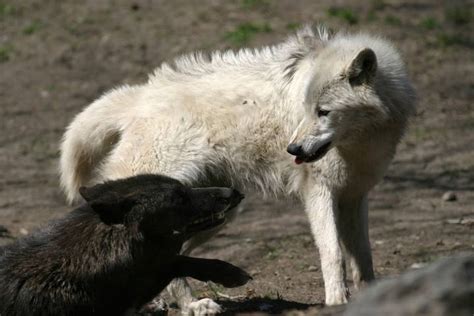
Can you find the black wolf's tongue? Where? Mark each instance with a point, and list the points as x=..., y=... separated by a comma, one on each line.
x=298, y=160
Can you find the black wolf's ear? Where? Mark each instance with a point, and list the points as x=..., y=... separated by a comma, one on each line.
x=362, y=68
x=88, y=193
x=110, y=206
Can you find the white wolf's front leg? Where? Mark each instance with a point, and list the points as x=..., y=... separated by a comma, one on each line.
x=321, y=209
x=355, y=236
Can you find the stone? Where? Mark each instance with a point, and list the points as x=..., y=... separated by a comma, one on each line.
x=449, y=196
x=443, y=288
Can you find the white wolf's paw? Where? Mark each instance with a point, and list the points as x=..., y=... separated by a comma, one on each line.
x=206, y=306
x=337, y=297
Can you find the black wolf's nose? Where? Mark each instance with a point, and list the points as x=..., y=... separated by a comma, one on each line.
x=294, y=149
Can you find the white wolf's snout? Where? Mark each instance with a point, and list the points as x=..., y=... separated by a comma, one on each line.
x=311, y=148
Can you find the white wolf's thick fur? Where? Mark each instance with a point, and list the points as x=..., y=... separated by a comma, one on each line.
x=227, y=118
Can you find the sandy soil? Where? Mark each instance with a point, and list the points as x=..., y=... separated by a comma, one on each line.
x=56, y=57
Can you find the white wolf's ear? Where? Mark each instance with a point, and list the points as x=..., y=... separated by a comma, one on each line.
x=362, y=68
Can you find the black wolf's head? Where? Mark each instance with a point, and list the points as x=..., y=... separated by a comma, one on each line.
x=160, y=206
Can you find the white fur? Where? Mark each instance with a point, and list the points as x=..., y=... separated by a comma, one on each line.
x=228, y=118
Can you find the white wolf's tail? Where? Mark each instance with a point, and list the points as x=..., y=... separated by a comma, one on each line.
x=90, y=137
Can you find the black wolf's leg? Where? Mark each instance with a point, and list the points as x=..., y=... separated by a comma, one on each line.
x=211, y=270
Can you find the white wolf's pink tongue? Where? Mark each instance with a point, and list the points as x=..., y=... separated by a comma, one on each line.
x=298, y=161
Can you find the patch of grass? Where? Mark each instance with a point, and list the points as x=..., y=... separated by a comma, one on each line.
x=344, y=14
x=215, y=289
x=5, y=53
x=425, y=256
x=446, y=40
x=377, y=4
x=244, y=32
x=292, y=26
x=31, y=28
x=458, y=15
x=392, y=20
x=371, y=16
x=272, y=252
x=6, y=9
x=272, y=295
x=429, y=23
x=252, y=4
x=421, y=133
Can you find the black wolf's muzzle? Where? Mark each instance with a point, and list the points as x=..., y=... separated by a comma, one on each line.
x=210, y=206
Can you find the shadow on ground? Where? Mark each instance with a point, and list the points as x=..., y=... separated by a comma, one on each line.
x=264, y=305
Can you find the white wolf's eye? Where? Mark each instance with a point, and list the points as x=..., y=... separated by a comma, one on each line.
x=323, y=113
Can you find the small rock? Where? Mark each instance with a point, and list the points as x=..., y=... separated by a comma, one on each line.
x=467, y=221
x=461, y=221
x=454, y=221
x=287, y=278
x=417, y=265
x=254, y=272
x=44, y=94
x=449, y=196
x=23, y=231
x=379, y=242
x=312, y=268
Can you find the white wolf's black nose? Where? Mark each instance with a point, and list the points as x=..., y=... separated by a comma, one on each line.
x=294, y=149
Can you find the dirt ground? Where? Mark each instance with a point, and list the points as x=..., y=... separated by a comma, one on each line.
x=58, y=56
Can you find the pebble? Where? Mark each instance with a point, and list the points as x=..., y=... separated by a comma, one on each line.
x=312, y=268
x=418, y=265
x=449, y=196
x=461, y=221
x=23, y=231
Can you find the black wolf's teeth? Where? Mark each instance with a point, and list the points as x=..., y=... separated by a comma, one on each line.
x=212, y=218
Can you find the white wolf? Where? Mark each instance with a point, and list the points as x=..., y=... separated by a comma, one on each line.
x=339, y=103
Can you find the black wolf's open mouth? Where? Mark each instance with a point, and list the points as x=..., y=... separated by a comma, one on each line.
x=208, y=222
x=317, y=155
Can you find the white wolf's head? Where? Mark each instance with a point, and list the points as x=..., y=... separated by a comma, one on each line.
x=358, y=87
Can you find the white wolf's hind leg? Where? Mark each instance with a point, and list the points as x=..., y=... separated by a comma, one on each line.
x=355, y=236
x=181, y=291
x=179, y=288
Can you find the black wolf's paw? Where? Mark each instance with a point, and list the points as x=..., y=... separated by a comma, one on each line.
x=229, y=275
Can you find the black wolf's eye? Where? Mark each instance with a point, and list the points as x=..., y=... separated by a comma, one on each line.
x=322, y=113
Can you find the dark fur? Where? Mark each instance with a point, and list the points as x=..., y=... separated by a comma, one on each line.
x=115, y=252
